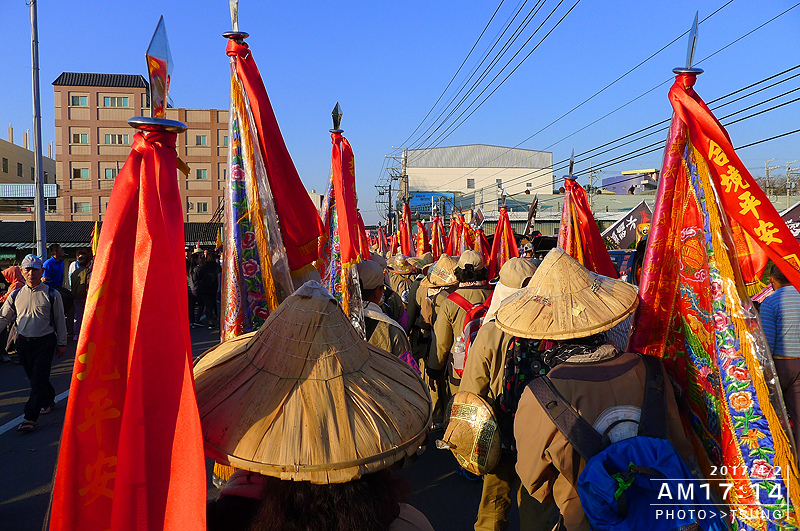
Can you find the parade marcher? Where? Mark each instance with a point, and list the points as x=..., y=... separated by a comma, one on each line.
x=567, y=303
x=206, y=281
x=401, y=276
x=527, y=250
x=13, y=275
x=37, y=311
x=79, y=282
x=54, y=277
x=418, y=330
x=472, y=289
x=780, y=317
x=382, y=331
x=192, y=263
x=317, y=421
x=393, y=305
x=483, y=375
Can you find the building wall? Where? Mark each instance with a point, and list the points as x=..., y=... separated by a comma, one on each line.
x=94, y=140
x=487, y=180
x=16, y=167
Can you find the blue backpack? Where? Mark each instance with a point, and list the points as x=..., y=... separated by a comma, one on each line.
x=637, y=483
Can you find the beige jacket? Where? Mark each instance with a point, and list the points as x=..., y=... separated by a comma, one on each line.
x=484, y=370
x=388, y=334
x=400, y=283
x=450, y=324
x=546, y=463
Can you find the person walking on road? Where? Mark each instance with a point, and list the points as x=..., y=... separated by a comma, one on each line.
x=38, y=312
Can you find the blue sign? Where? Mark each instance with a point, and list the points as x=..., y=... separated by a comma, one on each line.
x=421, y=202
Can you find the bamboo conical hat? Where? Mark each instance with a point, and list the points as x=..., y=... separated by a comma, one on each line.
x=471, y=433
x=442, y=272
x=306, y=399
x=564, y=300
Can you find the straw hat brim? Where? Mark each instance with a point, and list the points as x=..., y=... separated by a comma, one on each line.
x=564, y=300
x=306, y=399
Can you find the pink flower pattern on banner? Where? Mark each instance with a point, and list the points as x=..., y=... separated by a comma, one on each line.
x=249, y=240
x=762, y=470
x=739, y=373
x=262, y=312
x=250, y=268
x=720, y=321
x=716, y=289
x=237, y=173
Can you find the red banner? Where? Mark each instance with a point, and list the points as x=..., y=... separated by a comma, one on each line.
x=452, y=238
x=482, y=245
x=422, y=244
x=299, y=220
x=405, y=232
x=344, y=185
x=580, y=235
x=504, y=246
x=437, y=237
x=383, y=246
x=362, y=236
x=741, y=197
x=131, y=454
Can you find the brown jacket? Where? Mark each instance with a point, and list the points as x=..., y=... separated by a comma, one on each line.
x=484, y=370
x=546, y=463
x=450, y=324
x=400, y=283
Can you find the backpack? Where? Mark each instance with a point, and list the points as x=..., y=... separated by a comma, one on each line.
x=472, y=323
x=623, y=483
x=522, y=363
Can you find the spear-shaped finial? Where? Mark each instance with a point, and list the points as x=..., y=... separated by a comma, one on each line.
x=572, y=164
x=235, y=34
x=688, y=69
x=336, y=114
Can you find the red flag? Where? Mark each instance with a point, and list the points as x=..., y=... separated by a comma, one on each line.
x=382, y=245
x=482, y=245
x=467, y=241
x=394, y=245
x=363, y=237
x=504, y=246
x=131, y=454
x=422, y=244
x=405, y=231
x=452, y=238
x=437, y=237
x=299, y=220
x=742, y=198
x=579, y=235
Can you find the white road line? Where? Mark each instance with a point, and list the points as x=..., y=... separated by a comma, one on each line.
x=13, y=424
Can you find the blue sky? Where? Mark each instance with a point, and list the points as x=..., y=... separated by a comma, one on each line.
x=387, y=62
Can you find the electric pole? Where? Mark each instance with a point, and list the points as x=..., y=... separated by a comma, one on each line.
x=767, y=169
x=788, y=173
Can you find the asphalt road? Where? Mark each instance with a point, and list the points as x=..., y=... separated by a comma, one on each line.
x=27, y=461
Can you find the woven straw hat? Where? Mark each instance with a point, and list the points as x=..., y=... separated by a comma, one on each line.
x=564, y=300
x=442, y=273
x=399, y=264
x=306, y=399
x=472, y=434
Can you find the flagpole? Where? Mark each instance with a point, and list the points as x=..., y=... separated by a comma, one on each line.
x=41, y=233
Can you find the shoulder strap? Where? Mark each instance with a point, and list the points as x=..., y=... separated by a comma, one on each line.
x=653, y=422
x=13, y=298
x=461, y=301
x=580, y=434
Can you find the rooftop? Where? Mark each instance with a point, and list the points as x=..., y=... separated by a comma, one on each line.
x=82, y=79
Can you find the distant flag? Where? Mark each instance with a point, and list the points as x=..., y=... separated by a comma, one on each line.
x=437, y=237
x=363, y=237
x=482, y=245
x=95, y=237
x=382, y=244
x=531, y=217
x=131, y=454
x=579, y=235
x=696, y=316
x=422, y=243
x=340, y=248
x=625, y=232
x=218, y=243
x=451, y=248
x=504, y=245
x=405, y=232
x=394, y=245
x=467, y=241
x=792, y=219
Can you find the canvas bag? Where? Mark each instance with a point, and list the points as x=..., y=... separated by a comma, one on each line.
x=472, y=323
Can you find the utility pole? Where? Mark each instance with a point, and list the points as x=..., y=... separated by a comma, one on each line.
x=41, y=234
x=767, y=169
x=788, y=173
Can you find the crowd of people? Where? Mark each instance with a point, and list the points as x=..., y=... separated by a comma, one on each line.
x=331, y=453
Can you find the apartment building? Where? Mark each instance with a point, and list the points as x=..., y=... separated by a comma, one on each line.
x=17, y=178
x=93, y=140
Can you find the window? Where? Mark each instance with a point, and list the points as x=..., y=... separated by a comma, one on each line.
x=19, y=169
x=33, y=173
x=202, y=208
x=200, y=140
x=115, y=101
x=50, y=204
x=499, y=182
x=79, y=101
x=528, y=185
x=225, y=141
x=116, y=139
x=470, y=184
x=111, y=173
x=80, y=138
x=81, y=207
x=201, y=173
x=80, y=173
x=5, y=165
x=224, y=173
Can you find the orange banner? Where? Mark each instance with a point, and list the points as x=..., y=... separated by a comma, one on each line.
x=131, y=454
x=741, y=197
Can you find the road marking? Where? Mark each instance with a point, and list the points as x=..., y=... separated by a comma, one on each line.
x=13, y=424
